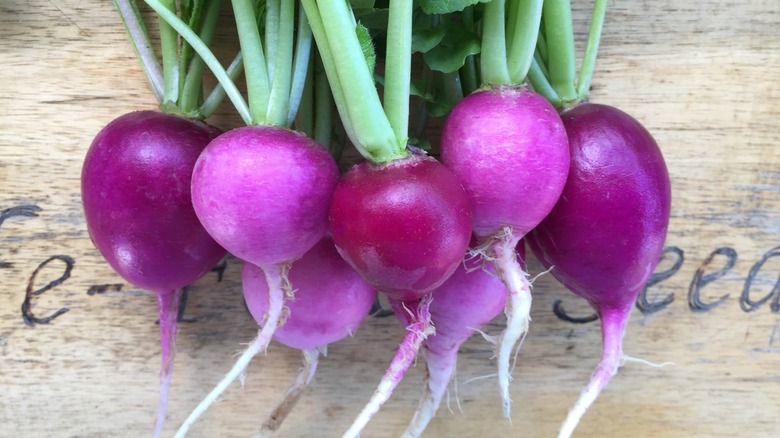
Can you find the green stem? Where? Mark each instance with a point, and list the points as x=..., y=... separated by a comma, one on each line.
x=323, y=112
x=318, y=30
x=201, y=49
x=279, y=101
x=540, y=62
x=131, y=17
x=528, y=16
x=211, y=103
x=453, y=91
x=272, y=15
x=374, y=137
x=560, y=43
x=304, y=119
x=469, y=75
x=301, y=66
x=589, y=59
x=541, y=47
x=512, y=7
x=257, y=85
x=542, y=85
x=170, y=55
x=193, y=83
x=398, y=67
x=494, y=63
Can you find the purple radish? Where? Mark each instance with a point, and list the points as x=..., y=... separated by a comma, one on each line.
x=331, y=300
x=135, y=187
x=508, y=146
x=404, y=226
x=469, y=299
x=262, y=192
x=605, y=235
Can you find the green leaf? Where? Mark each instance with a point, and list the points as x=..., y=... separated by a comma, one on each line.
x=362, y=4
x=373, y=19
x=425, y=39
x=451, y=53
x=447, y=6
x=367, y=46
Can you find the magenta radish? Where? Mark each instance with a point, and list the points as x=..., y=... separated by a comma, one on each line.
x=605, y=235
x=401, y=220
x=135, y=188
x=508, y=147
x=469, y=299
x=262, y=190
x=331, y=300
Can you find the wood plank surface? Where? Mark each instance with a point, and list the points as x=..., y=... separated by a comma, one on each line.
x=704, y=77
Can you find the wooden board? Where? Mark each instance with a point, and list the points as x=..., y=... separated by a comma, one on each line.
x=704, y=77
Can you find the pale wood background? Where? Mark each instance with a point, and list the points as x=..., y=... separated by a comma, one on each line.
x=703, y=77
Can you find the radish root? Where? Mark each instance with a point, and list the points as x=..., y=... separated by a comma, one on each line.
x=417, y=331
x=278, y=290
x=518, y=308
x=285, y=406
x=168, y=308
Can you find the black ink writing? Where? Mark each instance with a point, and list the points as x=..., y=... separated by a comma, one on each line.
x=557, y=309
x=219, y=268
x=21, y=210
x=103, y=288
x=700, y=279
x=27, y=315
x=745, y=302
x=642, y=303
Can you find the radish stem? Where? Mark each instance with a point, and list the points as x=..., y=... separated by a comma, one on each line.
x=208, y=57
x=193, y=82
x=494, y=62
x=257, y=83
x=592, y=48
x=560, y=43
x=131, y=17
x=216, y=96
x=398, y=68
x=279, y=100
x=529, y=15
x=301, y=65
x=170, y=55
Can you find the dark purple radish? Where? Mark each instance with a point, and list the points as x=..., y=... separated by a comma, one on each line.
x=135, y=188
x=469, y=299
x=404, y=226
x=262, y=192
x=605, y=235
x=331, y=301
x=508, y=147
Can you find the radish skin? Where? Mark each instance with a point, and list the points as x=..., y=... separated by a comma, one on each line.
x=508, y=147
x=606, y=234
x=135, y=189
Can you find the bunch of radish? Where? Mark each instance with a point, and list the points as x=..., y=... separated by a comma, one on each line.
x=523, y=157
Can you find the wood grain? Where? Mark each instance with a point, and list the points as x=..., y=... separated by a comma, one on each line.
x=702, y=76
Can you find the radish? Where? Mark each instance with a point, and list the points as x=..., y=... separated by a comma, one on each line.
x=135, y=183
x=331, y=300
x=508, y=146
x=136, y=196
x=262, y=191
x=469, y=299
x=605, y=235
x=402, y=220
